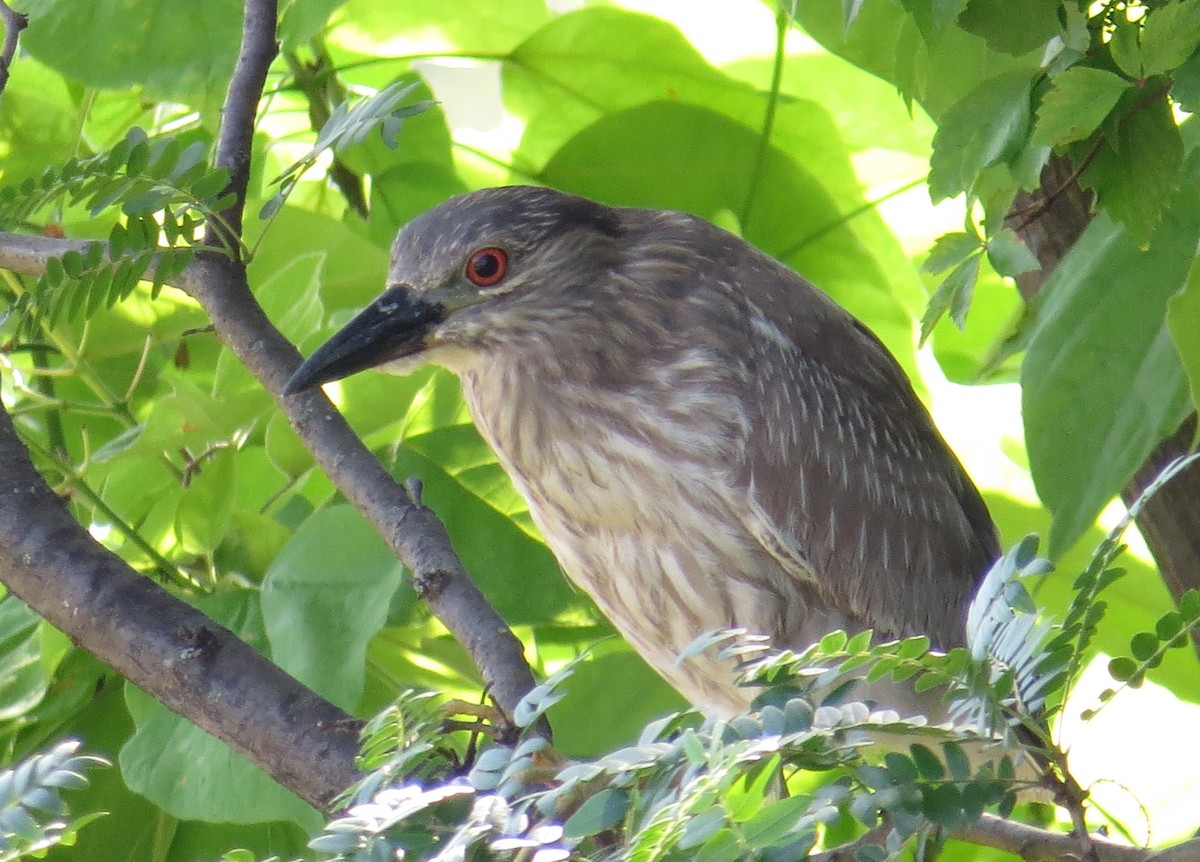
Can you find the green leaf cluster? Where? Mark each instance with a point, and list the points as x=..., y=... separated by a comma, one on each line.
x=1033, y=101
x=687, y=788
x=162, y=187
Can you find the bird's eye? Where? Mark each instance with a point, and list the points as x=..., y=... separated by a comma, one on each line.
x=487, y=266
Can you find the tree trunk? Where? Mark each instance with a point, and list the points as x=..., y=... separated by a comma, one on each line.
x=1050, y=220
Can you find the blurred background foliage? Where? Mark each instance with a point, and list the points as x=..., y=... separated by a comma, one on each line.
x=811, y=138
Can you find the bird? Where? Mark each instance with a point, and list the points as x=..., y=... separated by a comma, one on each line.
x=705, y=440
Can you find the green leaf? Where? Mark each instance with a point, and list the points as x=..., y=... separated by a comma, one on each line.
x=1183, y=322
x=1189, y=604
x=325, y=597
x=23, y=680
x=1143, y=646
x=603, y=811
x=985, y=127
x=1169, y=35
x=206, y=506
x=951, y=249
x=943, y=804
x=1101, y=381
x=303, y=19
x=172, y=50
x=903, y=769
x=1077, y=104
x=290, y=296
x=1135, y=176
x=1122, y=669
x=833, y=642
x=957, y=761
x=722, y=846
x=953, y=294
x=613, y=696
x=1185, y=84
x=1168, y=626
x=1009, y=255
x=775, y=821
x=927, y=762
x=1012, y=26
x=860, y=642
x=1124, y=46
x=934, y=17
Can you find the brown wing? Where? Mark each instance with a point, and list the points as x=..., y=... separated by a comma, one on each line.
x=851, y=486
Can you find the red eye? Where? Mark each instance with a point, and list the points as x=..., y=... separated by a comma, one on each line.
x=487, y=266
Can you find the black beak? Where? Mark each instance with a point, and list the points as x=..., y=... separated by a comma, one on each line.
x=392, y=326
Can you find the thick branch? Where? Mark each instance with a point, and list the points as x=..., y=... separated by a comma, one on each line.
x=1042, y=845
x=159, y=643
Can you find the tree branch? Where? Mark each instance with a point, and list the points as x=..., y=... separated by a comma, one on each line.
x=1170, y=523
x=413, y=532
x=1042, y=845
x=236, y=139
x=14, y=23
x=161, y=644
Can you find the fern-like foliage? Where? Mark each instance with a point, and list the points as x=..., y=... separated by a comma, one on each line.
x=1066, y=653
x=165, y=190
x=351, y=123
x=33, y=815
x=402, y=743
x=691, y=788
x=1007, y=681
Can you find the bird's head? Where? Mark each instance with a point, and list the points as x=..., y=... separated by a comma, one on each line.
x=480, y=269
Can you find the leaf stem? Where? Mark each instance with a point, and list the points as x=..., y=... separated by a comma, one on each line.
x=782, y=23
x=167, y=570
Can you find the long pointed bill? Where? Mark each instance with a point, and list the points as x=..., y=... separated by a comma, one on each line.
x=392, y=326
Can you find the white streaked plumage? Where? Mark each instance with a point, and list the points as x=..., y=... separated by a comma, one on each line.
x=704, y=439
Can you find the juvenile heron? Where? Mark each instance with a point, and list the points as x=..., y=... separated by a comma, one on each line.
x=704, y=439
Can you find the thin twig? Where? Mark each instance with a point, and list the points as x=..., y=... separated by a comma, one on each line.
x=319, y=84
x=1038, y=208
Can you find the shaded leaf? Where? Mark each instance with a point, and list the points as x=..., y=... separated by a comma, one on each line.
x=985, y=127
x=1079, y=101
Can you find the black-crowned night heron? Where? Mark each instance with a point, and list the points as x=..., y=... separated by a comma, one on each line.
x=704, y=439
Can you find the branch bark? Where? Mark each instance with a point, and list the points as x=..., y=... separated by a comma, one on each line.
x=236, y=139
x=1042, y=845
x=14, y=23
x=161, y=644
